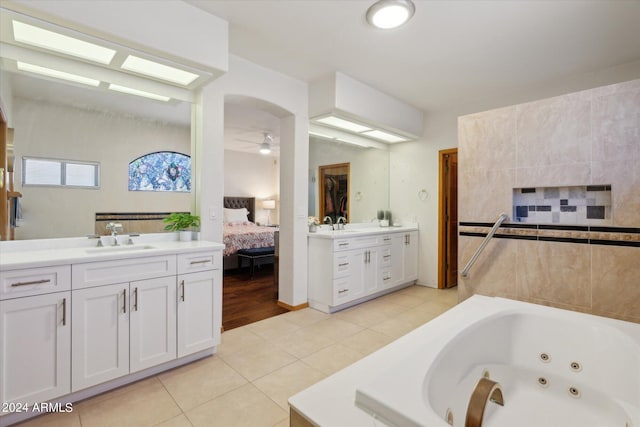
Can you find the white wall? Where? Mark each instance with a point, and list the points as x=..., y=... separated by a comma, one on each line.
x=113, y=140
x=252, y=175
x=6, y=96
x=414, y=165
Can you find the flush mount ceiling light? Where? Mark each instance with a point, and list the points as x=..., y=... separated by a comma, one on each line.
x=159, y=71
x=138, y=92
x=39, y=37
x=388, y=14
x=49, y=72
x=265, y=147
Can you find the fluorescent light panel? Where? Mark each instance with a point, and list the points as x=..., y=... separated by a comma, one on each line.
x=359, y=144
x=384, y=136
x=321, y=135
x=159, y=71
x=36, y=69
x=137, y=92
x=343, y=124
x=50, y=40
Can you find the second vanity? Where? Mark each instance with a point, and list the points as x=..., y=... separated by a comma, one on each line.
x=349, y=266
x=77, y=321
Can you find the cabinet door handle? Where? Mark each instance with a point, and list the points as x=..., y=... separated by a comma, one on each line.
x=204, y=261
x=124, y=297
x=386, y=256
x=344, y=264
x=33, y=282
x=182, y=290
x=64, y=311
x=343, y=244
x=343, y=291
x=386, y=239
x=135, y=299
x=386, y=278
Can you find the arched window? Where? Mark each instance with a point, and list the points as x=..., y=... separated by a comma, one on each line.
x=161, y=171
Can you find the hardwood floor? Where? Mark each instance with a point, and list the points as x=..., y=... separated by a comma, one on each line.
x=247, y=300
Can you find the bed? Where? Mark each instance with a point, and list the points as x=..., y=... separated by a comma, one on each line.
x=239, y=233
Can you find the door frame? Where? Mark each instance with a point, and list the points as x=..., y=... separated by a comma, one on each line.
x=441, y=215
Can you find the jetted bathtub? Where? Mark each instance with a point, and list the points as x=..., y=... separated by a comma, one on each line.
x=556, y=368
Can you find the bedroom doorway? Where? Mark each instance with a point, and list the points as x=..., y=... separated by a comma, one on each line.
x=251, y=181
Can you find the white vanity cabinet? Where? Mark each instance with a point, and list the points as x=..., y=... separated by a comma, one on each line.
x=100, y=344
x=71, y=330
x=124, y=327
x=35, y=348
x=199, y=293
x=348, y=268
x=404, y=253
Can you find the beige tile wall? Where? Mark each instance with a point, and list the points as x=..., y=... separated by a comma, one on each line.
x=588, y=137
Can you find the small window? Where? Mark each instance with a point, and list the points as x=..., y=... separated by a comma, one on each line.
x=60, y=173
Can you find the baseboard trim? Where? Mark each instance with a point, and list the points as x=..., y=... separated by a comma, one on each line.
x=293, y=307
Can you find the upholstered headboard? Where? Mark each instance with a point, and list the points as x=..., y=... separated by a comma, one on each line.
x=242, y=202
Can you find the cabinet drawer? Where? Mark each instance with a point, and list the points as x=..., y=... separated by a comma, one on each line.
x=344, y=244
x=122, y=270
x=341, y=291
x=342, y=265
x=199, y=261
x=35, y=281
x=385, y=260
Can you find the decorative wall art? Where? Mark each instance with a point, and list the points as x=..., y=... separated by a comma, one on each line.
x=161, y=171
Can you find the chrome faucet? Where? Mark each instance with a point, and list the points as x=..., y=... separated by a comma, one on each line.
x=341, y=222
x=114, y=227
x=484, y=392
x=324, y=220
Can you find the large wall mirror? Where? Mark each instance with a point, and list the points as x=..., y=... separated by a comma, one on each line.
x=54, y=120
x=368, y=171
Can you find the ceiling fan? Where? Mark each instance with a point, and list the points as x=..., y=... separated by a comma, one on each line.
x=265, y=146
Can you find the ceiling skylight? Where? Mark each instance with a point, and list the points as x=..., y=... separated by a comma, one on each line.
x=343, y=124
x=138, y=92
x=39, y=37
x=384, y=136
x=36, y=69
x=159, y=71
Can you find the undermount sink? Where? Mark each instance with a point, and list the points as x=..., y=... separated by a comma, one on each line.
x=127, y=248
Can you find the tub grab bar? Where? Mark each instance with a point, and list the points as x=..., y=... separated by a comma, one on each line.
x=474, y=258
x=484, y=392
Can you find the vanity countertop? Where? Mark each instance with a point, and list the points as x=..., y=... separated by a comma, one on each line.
x=325, y=233
x=10, y=259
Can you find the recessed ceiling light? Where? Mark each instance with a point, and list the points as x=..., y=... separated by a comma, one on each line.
x=137, y=92
x=384, y=136
x=388, y=14
x=39, y=37
x=343, y=124
x=36, y=69
x=159, y=71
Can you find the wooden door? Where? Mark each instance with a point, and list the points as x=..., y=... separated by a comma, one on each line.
x=334, y=189
x=448, y=222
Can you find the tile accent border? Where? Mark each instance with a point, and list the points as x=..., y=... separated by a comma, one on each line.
x=594, y=235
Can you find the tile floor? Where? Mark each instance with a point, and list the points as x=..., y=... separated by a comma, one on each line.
x=258, y=366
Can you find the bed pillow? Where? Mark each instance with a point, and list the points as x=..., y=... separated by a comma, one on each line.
x=235, y=216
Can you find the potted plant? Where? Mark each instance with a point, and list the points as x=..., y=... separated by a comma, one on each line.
x=182, y=222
